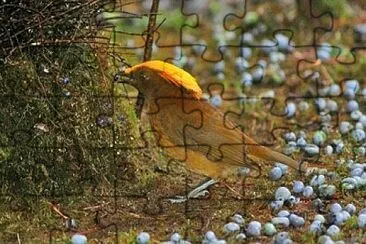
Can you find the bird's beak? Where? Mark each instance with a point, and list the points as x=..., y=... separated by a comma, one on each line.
x=122, y=77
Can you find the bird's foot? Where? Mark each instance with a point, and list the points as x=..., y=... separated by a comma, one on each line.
x=181, y=199
x=198, y=192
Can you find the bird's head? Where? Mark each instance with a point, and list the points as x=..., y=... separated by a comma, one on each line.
x=157, y=78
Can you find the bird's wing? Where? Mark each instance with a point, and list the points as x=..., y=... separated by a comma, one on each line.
x=201, y=128
x=232, y=144
x=227, y=144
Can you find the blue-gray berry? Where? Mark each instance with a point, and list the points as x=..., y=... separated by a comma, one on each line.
x=282, y=221
x=311, y=149
x=283, y=213
x=269, y=229
x=296, y=221
x=281, y=237
x=361, y=220
x=358, y=135
x=240, y=237
x=315, y=227
x=298, y=186
x=277, y=205
x=275, y=173
x=283, y=167
x=254, y=228
x=345, y=127
x=216, y=100
x=308, y=191
x=335, y=208
x=320, y=218
x=290, y=110
x=143, y=238
x=317, y=180
x=282, y=193
x=350, y=208
x=79, y=239
x=334, y=90
x=329, y=150
x=327, y=190
x=352, y=105
x=301, y=142
x=333, y=230
x=237, y=218
x=176, y=238
x=210, y=236
x=231, y=227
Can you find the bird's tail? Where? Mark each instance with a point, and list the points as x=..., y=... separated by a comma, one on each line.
x=270, y=155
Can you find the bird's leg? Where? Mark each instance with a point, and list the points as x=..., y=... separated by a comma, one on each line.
x=199, y=191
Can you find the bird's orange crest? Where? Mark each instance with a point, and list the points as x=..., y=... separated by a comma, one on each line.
x=171, y=73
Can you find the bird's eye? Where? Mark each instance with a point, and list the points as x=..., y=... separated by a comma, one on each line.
x=145, y=76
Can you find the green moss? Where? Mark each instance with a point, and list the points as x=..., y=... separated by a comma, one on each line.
x=127, y=237
x=350, y=224
x=308, y=238
x=340, y=8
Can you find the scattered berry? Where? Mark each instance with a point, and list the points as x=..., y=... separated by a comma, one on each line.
x=231, y=227
x=254, y=228
x=143, y=238
x=79, y=239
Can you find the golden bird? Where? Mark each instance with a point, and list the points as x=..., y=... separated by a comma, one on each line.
x=190, y=129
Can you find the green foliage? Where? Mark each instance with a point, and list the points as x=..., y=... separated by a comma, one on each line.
x=54, y=144
x=340, y=8
x=350, y=224
x=308, y=238
x=127, y=237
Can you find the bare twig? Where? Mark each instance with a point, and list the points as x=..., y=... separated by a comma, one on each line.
x=97, y=206
x=56, y=209
x=148, y=49
x=150, y=30
x=18, y=239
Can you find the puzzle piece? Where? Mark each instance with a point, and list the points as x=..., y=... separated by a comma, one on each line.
x=124, y=179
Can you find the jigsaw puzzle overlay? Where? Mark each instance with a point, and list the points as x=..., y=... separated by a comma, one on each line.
x=98, y=144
